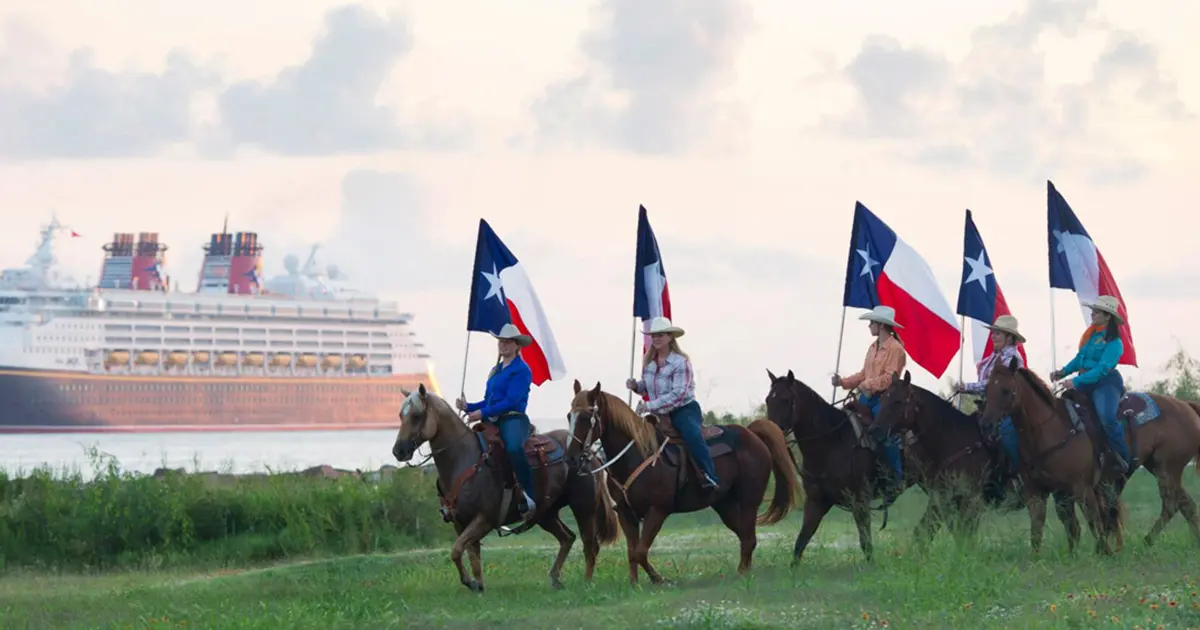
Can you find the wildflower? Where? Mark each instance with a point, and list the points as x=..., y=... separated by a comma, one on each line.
x=866, y=616
x=1091, y=613
x=967, y=606
x=1153, y=606
x=1053, y=607
x=1172, y=604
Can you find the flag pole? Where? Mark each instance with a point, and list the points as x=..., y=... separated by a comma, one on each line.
x=837, y=364
x=462, y=388
x=1053, y=343
x=632, y=353
x=962, y=343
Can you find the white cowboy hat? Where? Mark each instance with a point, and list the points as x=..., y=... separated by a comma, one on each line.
x=1107, y=304
x=1008, y=324
x=664, y=325
x=882, y=315
x=508, y=331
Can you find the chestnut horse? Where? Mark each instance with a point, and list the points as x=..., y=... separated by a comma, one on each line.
x=1162, y=433
x=838, y=467
x=649, y=486
x=478, y=501
x=955, y=461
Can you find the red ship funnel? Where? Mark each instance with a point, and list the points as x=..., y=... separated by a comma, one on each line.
x=148, y=261
x=245, y=265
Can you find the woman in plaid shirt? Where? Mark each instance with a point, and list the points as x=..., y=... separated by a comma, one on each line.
x=669, y=383
x=1005, y=338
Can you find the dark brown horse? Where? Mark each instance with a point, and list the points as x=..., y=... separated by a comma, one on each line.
x=651, y=481
x=478, y=501
x=954, y=460
x=1162, y=433
x=839, y=464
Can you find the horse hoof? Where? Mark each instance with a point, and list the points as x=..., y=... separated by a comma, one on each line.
x=556, y=585
x=474, y=587
x=1149, y=541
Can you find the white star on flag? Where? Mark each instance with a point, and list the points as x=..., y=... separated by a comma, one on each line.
x=867, y=264
x=495, y=285
x=979, y=271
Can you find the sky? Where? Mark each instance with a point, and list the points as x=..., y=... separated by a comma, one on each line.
x=748, y=129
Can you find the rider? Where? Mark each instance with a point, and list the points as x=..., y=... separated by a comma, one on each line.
x=1100, y=349
x=667, y=379
x=504, y=402
x=1005, y=337
x=884, y=357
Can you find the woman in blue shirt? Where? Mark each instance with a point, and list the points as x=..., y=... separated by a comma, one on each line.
x=1100, y=349
x=504, y=404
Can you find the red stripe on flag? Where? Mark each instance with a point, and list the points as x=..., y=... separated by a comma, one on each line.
x=1108, y=286
x=532, y=354
x=930, y=341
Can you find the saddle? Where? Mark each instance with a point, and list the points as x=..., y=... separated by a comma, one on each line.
x=720, y=442
x=541, y=451
x=1135, y=408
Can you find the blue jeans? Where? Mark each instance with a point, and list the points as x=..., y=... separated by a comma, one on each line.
x=890, y=446
x=514, y=431
x=1106, y=395
x=687, y=420
x=1008, y=438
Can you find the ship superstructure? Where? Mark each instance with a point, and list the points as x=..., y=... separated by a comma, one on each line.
x=303, y=350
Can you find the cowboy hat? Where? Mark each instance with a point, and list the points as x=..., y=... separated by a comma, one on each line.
x=1008, y=324
x=664, y=325
x=1107, y=304
x=508, y=331
x=882, y=315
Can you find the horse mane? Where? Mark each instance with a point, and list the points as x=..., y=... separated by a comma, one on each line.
x=1039, y=386
x=941, y=407
x=631, y=424
x=412, y=404
x=824, y=410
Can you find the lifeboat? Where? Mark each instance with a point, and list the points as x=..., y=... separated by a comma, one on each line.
x=254, y=359
x=281, y=360
x=331, y=361
x=357, y=362
x=147, y=358
x=307, y=360
x=227, y=358
x=177, y=358
x=200, y=358
x=117, y=357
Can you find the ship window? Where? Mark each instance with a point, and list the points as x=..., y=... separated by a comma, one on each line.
x=227, y=331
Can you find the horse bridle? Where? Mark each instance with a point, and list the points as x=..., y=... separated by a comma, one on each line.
x=590, y=444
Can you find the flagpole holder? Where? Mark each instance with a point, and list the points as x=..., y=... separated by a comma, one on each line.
x=837, y=364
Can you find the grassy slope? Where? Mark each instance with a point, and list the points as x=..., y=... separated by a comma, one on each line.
x=993, y=583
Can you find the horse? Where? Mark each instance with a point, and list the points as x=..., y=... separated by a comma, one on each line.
x=839, y=462
x=955, y=460
x=651, y=480
x=1162, y=433
x=476, y=476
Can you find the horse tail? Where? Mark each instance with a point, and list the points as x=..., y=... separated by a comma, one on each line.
x=786, y=483
x=605, y=516
x=1195, y=407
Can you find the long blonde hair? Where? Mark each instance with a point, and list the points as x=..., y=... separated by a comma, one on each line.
x=672, y=347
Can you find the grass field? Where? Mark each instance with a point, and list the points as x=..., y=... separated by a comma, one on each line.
x=990, y=582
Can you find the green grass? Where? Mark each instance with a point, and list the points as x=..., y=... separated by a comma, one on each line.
x=991, y=582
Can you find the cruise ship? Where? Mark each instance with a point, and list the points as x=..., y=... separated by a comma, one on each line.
x=301, y=351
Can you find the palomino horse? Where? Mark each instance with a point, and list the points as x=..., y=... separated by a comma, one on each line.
x=838, y=464
x=478, y=501
x=954, y=460
x=653, y=481
x=1163, y=434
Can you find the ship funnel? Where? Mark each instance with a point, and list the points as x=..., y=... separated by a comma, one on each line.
x=245, y=266
x=214, y=273
x=148, y=262
x=117, y=270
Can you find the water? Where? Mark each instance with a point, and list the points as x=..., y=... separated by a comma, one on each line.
x=236, y=452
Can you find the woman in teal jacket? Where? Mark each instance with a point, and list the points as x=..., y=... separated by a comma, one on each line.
x=1100, y=349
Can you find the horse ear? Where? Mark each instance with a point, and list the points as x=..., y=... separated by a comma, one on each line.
x=578, y=387
x=593, y=394
x=405, y=392
x=907, y=377
x=1012, y=364
x=421, y=391
x=791, y=377
x=773, y=377
x=895, y=378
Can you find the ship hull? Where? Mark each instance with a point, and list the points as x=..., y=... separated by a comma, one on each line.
x=65, y=402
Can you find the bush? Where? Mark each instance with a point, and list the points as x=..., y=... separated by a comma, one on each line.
x=118, y=518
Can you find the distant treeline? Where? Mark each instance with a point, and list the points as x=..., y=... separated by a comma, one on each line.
x=120, y=519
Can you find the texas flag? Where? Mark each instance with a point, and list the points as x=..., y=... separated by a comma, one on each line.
x=979, y=295
x=502, y=294
x=883, y=269
x=650, y=295
x=1077, y=265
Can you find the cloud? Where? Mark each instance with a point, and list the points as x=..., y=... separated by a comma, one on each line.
x=328, y=105
x=997, y=110
x=652, y=75
x=91, y=112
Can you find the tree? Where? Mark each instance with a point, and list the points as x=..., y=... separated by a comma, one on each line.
x=1183, y=378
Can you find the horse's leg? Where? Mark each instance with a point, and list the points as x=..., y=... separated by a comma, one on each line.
x=471, y=534
x=566, y=538
x=1169, y=488
x=814, y=511
x=1096, y=519
x=475, y=555
x=1035, y=502
x=1188, y=507
x=740, y=519
x=1064, y=507
x=651, y=525
x=631, y=529
x=930, y=522
x=584, y=509
x=862, y=518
